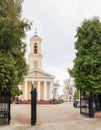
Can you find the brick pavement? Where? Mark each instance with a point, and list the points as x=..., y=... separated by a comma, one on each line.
x=51, y=117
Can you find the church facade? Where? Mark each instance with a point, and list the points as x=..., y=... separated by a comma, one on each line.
x=41, y=80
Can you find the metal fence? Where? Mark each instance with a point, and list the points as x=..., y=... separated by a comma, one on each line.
x=90, y=104
x=5, y=108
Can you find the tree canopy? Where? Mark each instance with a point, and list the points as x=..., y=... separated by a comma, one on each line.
x=87, y=64
x=12, y=46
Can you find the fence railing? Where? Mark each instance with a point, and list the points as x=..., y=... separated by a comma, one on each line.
x=90, y=104
x=5, y=108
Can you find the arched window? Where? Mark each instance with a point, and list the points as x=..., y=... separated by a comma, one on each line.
x=35, y=48
x=35, y=64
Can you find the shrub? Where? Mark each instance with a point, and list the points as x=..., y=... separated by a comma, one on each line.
x=57, y=101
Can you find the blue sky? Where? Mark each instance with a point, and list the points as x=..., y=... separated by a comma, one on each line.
x=56, y=22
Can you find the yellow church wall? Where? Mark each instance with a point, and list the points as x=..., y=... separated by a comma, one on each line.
x=40, y=63
x=48, y=84
x=31, y=63
x=22, y=88
x=35, y=85
x=41, y=90
x=39, y=46
x=32, y=48
x=29, y=85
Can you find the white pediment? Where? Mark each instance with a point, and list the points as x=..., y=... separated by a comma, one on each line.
x=39, y=73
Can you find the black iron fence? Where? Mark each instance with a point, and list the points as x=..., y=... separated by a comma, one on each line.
x=90, y=104
x=5, y=116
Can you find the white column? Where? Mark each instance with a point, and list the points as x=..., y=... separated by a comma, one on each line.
x=25, y=91
x=19, y=86
x=38, y=90
x=33, y=83
x=57, y=93
x=51, y=90
x=45, y=92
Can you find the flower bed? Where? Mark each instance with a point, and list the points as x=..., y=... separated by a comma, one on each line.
x=40, y=101
x=44, y=101
x=29, y=102
x=23, y=102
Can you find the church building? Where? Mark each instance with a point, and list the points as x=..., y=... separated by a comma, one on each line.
x=41, y=80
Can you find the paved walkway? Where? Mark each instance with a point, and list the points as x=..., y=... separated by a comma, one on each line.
x=51, y=117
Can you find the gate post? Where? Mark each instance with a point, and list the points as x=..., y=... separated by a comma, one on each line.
x=33, y=105
x=9, y=107
x=80, y=101
x=91, y=111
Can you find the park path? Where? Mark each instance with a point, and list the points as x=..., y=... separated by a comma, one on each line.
x=45, y=113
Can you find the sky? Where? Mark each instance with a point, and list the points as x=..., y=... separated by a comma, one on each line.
x=56, y=22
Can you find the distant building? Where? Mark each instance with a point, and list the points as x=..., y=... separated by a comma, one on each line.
x=56, y=90
x=41, y=80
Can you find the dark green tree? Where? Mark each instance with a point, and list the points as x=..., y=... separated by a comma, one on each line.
x=12, y=46
x=87, y=64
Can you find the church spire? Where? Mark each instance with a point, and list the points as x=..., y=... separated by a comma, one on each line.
x=35, y=32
